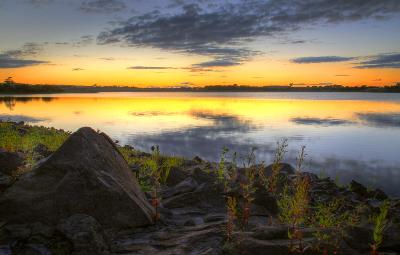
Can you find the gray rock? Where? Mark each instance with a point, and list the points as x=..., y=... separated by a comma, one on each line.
x=5, y=250
x=85, y=233
x=206, y=196
x=176, y=175
x=187, y=185
x=194, y=221
x=87, y=175
x=18, y=231
x=358, y=188
x=284, y=168
x=10, y=162
x=5, y=181
x=41, y=151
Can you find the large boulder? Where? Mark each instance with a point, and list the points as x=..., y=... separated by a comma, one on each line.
x=87, y=175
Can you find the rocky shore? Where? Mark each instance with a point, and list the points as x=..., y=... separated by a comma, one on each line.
x=87, y=197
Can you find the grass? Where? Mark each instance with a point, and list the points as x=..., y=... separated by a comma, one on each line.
x=16, y=138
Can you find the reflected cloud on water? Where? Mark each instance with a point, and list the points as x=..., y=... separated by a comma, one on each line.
x=320, y=121
x=380, y=119
x=373, y=173
x=225, y=131
x=205, y=141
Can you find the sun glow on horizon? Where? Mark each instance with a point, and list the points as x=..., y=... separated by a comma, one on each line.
x=163, y=43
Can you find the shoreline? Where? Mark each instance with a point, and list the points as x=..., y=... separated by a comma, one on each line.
x=44, y=89
x=81, y=193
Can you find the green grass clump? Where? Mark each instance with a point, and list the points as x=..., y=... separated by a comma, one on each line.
x=24, y=139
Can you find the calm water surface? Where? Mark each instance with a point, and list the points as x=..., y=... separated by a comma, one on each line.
x=347, y=135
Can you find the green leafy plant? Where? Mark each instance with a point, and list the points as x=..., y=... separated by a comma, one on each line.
x=156, y=170
x=332, y=221
x=294, y=203
x=273, y=180
x=381, y=223
x=231, y=207
x=222, y=171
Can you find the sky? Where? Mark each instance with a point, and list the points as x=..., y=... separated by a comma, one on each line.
x=164, y=43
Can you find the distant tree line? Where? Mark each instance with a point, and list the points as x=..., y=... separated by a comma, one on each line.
x=10, y=87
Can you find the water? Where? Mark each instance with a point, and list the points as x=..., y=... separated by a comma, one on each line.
x=347, y=135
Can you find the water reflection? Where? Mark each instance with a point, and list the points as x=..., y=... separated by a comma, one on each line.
x=372, y=173
x=381, y=119
x=206, y=141
x=10, y=102
x=19, y=118
x=351, y=136
x=320, y=121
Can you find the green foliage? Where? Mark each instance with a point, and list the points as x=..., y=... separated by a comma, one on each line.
x=222, y=167
x=294, y=205
x=381, y=223
x=231, y=207
x=153, y=168
x=293, y=202
x=273, y=181
x=332, y=221
x=154, y=171
x=22, y=138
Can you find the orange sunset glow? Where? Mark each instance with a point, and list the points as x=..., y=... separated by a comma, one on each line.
x=123, y=43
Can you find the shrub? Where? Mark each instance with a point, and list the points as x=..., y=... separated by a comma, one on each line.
x=331, y=221
x=293, y=204
x=381, y=223
x=272, y=182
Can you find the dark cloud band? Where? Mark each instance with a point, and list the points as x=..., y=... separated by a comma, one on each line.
x=221, y=30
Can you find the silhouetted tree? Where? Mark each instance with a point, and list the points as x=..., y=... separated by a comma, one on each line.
x=9, y=81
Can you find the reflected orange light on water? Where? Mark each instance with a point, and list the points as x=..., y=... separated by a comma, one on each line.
x=155, y=112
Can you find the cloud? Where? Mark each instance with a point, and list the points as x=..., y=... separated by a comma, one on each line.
x=108, y=59
x=78, y=69
x=61, y=43
x=151, y=113
x=18, y=63
x=16, y=58
x=381, y=119
x=150, y=67
x=186, y=83
x=388, y=60
x=102, y=6
x=83, y=41
x=28, y=49
x=218, y=62
x=321, y=59
x=38, y=3
x=342, y=75
x=320, y=121
x=208, y=30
